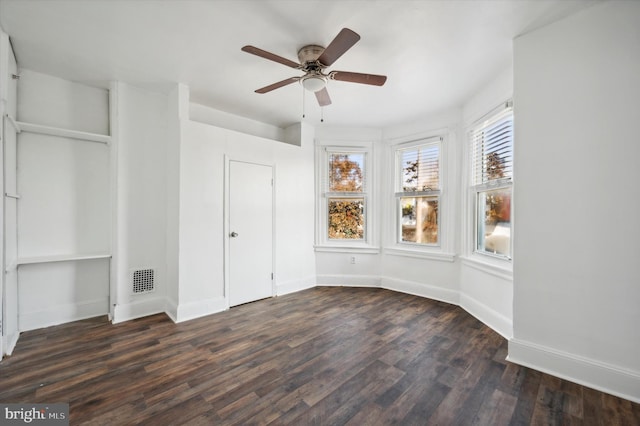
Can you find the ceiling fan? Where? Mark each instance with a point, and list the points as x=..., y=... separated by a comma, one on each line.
x=313, y=61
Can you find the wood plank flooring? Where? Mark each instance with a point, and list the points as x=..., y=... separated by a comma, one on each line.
x=325, y=356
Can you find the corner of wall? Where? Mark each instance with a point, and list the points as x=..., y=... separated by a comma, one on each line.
x=420, y=289
x=200, y=308
x=138, y=309
x=587, y=372
x=294, y=286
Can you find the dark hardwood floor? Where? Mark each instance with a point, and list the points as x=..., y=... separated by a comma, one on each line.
x=326, y=356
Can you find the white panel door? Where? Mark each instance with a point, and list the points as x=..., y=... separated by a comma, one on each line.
x=250, y=232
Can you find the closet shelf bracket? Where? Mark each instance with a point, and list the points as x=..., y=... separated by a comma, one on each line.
x=14, y=123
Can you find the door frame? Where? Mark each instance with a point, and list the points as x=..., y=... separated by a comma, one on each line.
x=227, y=224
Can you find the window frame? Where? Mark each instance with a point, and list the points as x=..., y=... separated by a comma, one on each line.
x=444, y=251
x=324, y=150
x=475, y=190
x=399, y=194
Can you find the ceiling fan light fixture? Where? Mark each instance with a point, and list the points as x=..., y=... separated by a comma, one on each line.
x=314, y=82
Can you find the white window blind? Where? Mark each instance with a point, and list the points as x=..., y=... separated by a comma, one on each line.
x=419, y=168
x=492, y=150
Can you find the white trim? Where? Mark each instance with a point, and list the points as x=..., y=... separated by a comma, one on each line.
x=489, y=268
x=171, y=310
x=336, y=280
x=295, y=285
x=200, y=308
x=421, y=289
x=445, y=138
x=114, y=130
x=369, y=194
x=469, y=200
x=64, y=133
x=426, y=135
x=60, y=258
x=9, y=343
x=226, y=230
x=490, y=317
x=60, y=314
x=598, y=375
x=138, y=309
x=420, y=254
x=347, y=249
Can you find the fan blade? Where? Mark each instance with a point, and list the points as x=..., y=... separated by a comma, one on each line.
x=323, y=97
x=270, y=56
x=343, y=42
x=278, y=85
x=356, y=77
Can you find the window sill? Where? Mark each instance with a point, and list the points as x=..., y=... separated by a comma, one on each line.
x=490, y=266
x=420, y=254
x=348, y=249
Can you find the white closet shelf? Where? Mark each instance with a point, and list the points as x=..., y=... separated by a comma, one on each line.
x=65, y=133
x=60, y=258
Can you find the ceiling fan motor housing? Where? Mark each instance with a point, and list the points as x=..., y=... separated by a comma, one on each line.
x=308, y=55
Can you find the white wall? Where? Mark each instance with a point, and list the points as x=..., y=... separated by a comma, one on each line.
x=576, y=269
x=141, y=198
x=202, y=184
x=222, y=119
x=53, y=101
x=334, y=266
x=294, y=219
x=435, y=275
x=486, y=288
x=201, y=236
x=64, y=205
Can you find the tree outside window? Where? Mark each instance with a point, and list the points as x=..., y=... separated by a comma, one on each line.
x=345, y=196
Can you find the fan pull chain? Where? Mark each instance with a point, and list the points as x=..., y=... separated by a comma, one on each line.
x=303, y=90
x=322, y=114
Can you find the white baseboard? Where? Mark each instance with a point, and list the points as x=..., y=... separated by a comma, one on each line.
x=171, y=309
x=61, y=314
x=9, y=343
x=200, y=308
x=420, y=289
x=493, y=319
x=295, y=285
x=348, y=281
x=584, y=371
x=138, y=309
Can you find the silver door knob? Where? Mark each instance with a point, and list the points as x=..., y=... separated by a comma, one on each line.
x=233, y=234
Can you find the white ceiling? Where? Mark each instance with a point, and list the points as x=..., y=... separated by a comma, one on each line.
x=436, y=54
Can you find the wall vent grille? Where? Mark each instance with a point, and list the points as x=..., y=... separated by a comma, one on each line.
x=143, y=281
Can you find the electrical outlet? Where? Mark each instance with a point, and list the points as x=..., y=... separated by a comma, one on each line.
x=352, y=260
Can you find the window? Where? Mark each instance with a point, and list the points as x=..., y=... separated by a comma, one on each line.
x=491, y=183
x=345, y=196
x=344, y=202
x=418, y=193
